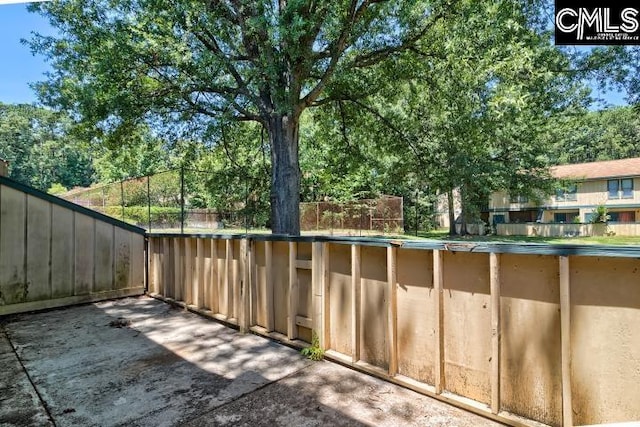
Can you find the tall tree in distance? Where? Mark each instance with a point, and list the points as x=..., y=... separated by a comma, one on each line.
x=40, y=148
x=120, y=62
x=482, y=93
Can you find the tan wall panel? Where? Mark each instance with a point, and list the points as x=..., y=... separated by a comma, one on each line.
x=374, y=313
x=122, y=264
x=340, y=298
x=467, y=325
x=137, y=261
x=167, y=262
x=161, y=277
x=261, y=285
x=187, y=267
x=281, y=285
x=304, y=250
x=207, y=265
x=104, y=257
x=589, y=193
x=596, y=193
x=235, y=279
x=179, y=269
x=605, y=339
x=151, y=257
x=192, y=264
x=163, y=263
x=84, y=248
x=221, y=278
x=38, y=249
x=62, y=252
x=416, y=318
x=530, y=372
x=13, y=280
x=304, y=283
x=304, y=293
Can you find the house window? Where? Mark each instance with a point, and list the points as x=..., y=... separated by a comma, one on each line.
x=567, y=194
x=624, y=216
x=518, y=199
x=620, y=188
x=565, y=217
x=627, y=188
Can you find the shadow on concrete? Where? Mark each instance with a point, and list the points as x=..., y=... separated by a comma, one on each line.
x=140, y=362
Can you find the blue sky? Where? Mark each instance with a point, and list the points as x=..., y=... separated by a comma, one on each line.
x=19, y=67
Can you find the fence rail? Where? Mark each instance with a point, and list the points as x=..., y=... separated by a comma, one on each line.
x=515, y=336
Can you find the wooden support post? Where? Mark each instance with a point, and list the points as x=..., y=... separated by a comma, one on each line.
x=494, y=278
x=207, y=281
x=166, y=262
x=292, y=329
x=356, y=284
x=153, y=262
x=228, y=255
x=236, y=282
x=392, y=309
x=198, y=299
x=215, y=278
x=268, y=297
x=177, y=270
x=565, y=339
x=188, y=272
x=253, y=284
x=326, y=280
x=317, y=286
x=438, y=285
x=243, y=315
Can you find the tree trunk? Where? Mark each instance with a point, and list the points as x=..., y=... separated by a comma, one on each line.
x=452, y=214
x=285, y=174
x=463, y=211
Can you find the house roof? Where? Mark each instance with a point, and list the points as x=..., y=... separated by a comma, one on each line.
x=596, y=170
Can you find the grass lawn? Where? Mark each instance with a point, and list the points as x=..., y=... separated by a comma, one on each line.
x=596, y=240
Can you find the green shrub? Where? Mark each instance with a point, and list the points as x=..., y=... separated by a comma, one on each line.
x=600, y=215
x=314, y=351
x=140, y=214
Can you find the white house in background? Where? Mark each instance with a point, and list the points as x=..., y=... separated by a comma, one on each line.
x=613, y=183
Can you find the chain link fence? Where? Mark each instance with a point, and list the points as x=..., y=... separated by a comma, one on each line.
x=172, y=201
x=188, y=200
x=383, y=215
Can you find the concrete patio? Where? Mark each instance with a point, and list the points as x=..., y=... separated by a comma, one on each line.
x=141, y=362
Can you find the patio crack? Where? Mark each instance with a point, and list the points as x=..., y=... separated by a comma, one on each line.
x=26, y=373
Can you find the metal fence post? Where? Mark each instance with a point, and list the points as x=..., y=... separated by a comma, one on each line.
x=122, y=197
x=149, y=200
x=182, y=200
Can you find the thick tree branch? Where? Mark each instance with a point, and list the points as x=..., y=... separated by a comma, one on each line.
x=376, y=56
x=212, y=45
x=389, y=124
x=337, y=48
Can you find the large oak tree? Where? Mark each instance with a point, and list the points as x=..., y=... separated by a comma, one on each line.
x=119, y=62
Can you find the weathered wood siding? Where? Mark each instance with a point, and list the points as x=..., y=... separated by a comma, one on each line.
x=541, y=333
x=52, y=255
x=589, y=193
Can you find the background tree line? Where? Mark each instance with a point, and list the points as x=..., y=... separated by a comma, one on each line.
x=43, y=154
x=299, y=101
